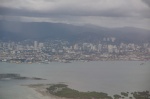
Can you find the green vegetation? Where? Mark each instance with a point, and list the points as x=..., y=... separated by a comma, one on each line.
x=130, y=97
x=18, y=77
x=56, y=86
x=117, y=96
x=124, y=94
x=141, y=95
x=62, y=90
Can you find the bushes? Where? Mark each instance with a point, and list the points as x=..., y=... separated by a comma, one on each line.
x=124, y=94
x=62, y=90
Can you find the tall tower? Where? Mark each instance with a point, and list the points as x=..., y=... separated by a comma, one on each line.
x=35, y=45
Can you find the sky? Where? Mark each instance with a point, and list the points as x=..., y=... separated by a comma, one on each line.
x=105, y=13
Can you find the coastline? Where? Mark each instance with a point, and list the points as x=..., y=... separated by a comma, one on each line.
x=60, y=91
x=41, y=89
x=143, y=61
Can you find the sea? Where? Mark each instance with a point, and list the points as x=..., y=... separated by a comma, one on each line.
x=111, y=77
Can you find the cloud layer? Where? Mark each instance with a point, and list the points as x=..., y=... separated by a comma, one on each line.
x=108, y=13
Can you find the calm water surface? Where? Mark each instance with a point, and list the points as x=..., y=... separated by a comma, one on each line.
x=111, y=77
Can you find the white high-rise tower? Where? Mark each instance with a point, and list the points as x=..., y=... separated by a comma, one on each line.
x=35, y=45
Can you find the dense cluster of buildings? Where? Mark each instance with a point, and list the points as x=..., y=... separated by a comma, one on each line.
x=63, y=51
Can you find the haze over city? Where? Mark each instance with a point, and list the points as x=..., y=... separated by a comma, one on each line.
x=74, y=49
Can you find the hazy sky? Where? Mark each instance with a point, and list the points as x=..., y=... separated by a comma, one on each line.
x=106, y=13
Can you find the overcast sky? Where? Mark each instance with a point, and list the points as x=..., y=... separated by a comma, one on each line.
x=106, y=13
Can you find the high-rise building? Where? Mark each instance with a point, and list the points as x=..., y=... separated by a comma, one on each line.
x=99, y=47
x=110, y=48
x=76, y=47
x=35, y=45
x=41, y=45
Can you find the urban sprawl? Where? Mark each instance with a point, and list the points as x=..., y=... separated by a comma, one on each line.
x=62, y=51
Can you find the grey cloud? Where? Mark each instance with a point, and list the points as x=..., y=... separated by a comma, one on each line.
x=47, y=8
x=18, y=12
x=76, y=11
x=147, y=2
x=64, y=12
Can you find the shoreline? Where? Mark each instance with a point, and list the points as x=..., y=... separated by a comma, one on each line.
x=143, y=61
x=48, y=91
x=41, y=89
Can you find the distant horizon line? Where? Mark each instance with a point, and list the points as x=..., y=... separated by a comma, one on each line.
x=88, y=24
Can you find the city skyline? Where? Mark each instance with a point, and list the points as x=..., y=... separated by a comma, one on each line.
x=74, y=49
x=63, y=51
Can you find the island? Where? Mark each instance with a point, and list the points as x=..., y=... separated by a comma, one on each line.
x=17, y=77
x=59, y=91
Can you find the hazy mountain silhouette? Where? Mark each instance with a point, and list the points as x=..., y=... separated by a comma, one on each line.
x=10, y=30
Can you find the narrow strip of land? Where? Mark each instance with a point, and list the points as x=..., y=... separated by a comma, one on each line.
x=59, y=91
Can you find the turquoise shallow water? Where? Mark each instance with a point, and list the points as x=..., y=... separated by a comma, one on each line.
x=105, y=76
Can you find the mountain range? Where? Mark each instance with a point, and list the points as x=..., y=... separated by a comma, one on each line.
x=16, y=31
